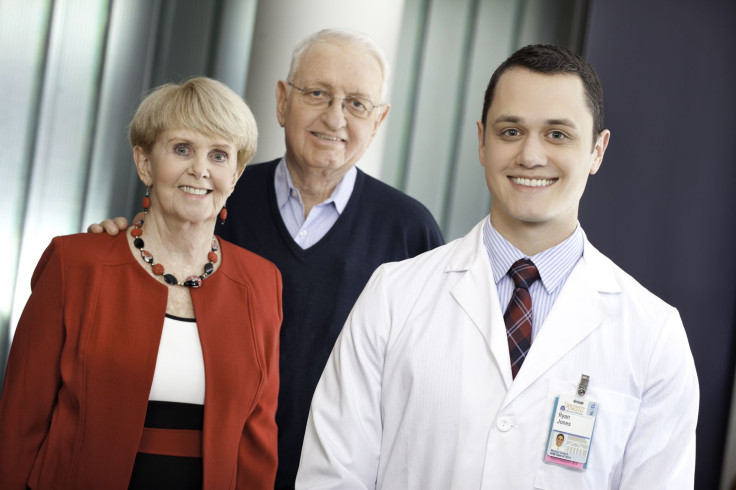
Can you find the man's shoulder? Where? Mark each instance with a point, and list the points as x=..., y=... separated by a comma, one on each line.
x=424, y=267
x=254, y=183
x=262, y=166
x=390, y=202
x=611, y=278
x=374, y=187
x=259, y=169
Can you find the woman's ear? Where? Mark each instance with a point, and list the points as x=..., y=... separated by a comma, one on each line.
x=143, y=165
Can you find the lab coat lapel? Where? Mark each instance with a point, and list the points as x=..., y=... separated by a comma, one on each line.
x=577, y=312
x=477, y=296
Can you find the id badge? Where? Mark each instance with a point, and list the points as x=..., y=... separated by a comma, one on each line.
x=571, y=432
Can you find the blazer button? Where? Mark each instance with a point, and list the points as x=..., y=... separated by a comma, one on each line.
x=504, y=424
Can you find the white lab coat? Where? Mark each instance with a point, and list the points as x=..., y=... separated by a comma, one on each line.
x=418, y=393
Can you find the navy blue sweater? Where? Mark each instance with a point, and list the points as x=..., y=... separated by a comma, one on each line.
x=379, y=224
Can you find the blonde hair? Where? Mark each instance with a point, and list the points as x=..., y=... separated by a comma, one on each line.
x=348, y=38
x=200, y=104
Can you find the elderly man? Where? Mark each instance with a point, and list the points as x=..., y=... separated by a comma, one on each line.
x=458, y=368
x=322, y=221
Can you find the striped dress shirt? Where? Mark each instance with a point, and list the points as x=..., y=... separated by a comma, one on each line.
x=554, y=264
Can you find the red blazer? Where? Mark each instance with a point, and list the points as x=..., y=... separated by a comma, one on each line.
x=82, y=361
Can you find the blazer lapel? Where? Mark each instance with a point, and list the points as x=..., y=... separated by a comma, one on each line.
x=233, y=373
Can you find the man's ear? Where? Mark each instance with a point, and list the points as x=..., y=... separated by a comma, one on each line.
x=481, y=140
x=599, y=149
x=381, y=117
x=282, y=90
x=143, y=165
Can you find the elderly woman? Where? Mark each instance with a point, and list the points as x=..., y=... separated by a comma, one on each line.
x=150, y=359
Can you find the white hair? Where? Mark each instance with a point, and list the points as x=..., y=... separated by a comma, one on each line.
x=342, y=36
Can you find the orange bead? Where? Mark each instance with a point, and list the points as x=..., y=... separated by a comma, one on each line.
x=212, y=257
x=158, y=269
x=136, y=232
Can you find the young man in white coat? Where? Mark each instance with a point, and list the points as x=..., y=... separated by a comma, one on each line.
x=451, y=374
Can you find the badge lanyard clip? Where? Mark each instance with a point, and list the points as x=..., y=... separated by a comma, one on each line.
x=583, y=385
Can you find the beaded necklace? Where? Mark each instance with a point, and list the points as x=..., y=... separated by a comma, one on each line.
x=158, y=269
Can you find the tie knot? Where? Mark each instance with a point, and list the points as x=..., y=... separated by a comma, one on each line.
x=524, y=273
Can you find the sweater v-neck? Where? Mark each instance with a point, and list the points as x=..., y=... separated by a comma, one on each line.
x=300, y=253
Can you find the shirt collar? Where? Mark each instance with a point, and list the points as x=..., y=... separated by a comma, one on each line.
x=339, y=197
x=554, y=264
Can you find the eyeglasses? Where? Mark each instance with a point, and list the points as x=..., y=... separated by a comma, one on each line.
x=319, y=97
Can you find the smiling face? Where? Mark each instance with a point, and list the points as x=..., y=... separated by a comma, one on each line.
x=191, y=175
x=560, y=439
x=537, y=152
x=330, y=140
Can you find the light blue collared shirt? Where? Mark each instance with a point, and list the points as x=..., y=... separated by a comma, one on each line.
x=554, y=264
x=307, y=232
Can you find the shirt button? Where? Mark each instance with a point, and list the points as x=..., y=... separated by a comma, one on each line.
x=503, y=424
x=303, y=233
x=293, y=193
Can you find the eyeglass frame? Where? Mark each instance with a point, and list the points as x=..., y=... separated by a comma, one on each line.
x=332, y=98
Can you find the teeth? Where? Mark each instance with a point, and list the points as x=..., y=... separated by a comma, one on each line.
x=328, y=138
x=194, y=190
x=532, y=182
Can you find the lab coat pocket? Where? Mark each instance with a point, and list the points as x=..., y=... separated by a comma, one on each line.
x=616, y=417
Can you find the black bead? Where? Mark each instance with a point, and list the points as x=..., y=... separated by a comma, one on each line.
x=208, y=268
x=138, y=242
x=194, y=283
x=170, y=279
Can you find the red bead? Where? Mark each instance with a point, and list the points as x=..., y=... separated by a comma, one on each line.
x=136, y=232
x=223, y=214
x=158, y=269
x=212, y=257
x=146, y=202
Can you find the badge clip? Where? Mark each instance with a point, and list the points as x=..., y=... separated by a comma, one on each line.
x=583, y=385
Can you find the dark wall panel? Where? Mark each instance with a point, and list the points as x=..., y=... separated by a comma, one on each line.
x=663, y=205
